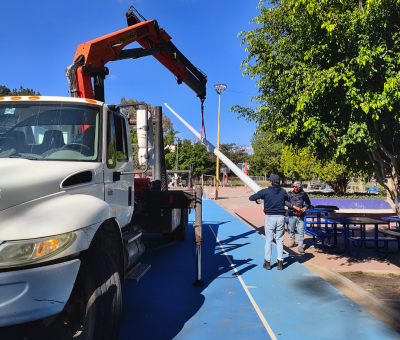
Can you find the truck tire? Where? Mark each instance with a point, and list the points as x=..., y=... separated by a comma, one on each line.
x=181, y=231
x=93, y=310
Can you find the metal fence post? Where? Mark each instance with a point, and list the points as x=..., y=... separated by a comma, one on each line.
x=198, y=234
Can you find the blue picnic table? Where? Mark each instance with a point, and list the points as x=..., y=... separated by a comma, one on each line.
x=359, y=241
x=316, y=224
x=395, y=219
x=372, y=190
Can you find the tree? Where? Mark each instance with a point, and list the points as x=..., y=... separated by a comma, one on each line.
x=336, y=175
x=189, y=153
x=236, y=153
x=298, y=164
x=5, y=91
x=303, y=164
x=267, y=152
x=329, y=79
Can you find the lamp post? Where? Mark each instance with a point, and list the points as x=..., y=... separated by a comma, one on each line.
x=177, y=153
x=177, y=160
x=218, y=88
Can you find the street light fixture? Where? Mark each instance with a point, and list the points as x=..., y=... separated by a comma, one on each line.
x=218, y=88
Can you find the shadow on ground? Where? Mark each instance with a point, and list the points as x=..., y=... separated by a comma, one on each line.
x=365, y=256
x=161, y=304
x=164, y=300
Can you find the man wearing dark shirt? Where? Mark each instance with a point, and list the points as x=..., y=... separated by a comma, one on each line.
x=274, y=208
x=297, y=203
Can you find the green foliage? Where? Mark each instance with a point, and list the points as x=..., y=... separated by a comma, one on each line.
x=333, y=173
x=356, y=195
x=267, y=153
x=204, y=162
x=5, y=91
x=189, y=153
x=304, y=164
x=298, y=164
x=328, y=76
x=111, y=156
x=236, y=153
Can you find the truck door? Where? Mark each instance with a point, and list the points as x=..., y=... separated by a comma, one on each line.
x=118, y=193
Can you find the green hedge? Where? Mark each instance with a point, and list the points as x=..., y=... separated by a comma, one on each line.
x=356, y=195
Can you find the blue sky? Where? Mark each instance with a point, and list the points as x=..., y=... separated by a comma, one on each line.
x=40, y=38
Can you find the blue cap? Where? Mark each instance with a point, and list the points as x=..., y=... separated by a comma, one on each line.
x=274, y=179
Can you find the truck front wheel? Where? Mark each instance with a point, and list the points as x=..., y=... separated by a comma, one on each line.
x=94, y=308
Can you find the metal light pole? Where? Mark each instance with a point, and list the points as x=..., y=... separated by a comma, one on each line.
x=218, y=88
x=177, y=153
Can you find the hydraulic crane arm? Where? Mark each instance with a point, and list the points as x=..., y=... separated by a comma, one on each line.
x=91, y=57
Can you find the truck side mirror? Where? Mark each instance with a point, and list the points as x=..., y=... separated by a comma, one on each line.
x=116, y=176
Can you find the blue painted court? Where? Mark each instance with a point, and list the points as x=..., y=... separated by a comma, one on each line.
x=240, y=299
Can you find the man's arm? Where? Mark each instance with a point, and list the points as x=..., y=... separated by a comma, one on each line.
x=307, y=201
x=288, y=199
x=256, y=196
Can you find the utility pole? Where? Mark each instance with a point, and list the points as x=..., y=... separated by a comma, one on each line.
x=177, y=161
x=177, y=153
x=218, y=88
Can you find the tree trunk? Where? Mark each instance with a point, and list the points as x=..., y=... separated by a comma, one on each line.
x=387, y=174
x=339, y=186
x=360, y=185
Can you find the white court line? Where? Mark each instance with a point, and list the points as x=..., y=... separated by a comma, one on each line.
x=260, y=314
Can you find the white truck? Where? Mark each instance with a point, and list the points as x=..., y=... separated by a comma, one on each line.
x=71, y=213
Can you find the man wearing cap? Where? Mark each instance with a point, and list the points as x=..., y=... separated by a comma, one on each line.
x=297, y=203
x=274, y=208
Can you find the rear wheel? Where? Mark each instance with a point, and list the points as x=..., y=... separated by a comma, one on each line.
x=181, y=231
x=94, y=308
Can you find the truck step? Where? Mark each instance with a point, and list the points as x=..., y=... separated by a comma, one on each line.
x=130, y=236
x=137, y=272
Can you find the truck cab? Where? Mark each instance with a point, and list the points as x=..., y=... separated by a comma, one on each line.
x=65, y=146
x=62, y=208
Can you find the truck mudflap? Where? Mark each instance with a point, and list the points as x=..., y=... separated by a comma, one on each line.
x=32, y=294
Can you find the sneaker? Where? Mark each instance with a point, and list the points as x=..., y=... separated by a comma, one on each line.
x=292, y=244
x=301, y=249
x=280, y=264
x=267, y=265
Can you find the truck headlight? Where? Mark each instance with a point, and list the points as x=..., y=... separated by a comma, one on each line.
x=19, y=253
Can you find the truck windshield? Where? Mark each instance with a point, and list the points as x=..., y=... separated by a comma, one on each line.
x=49, y=131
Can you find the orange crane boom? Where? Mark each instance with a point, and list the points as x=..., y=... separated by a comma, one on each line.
x=92, y=56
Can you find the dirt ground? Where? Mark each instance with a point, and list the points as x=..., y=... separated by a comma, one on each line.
x=385, y=286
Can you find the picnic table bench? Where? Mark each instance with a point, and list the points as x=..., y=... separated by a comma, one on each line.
x=314, y=229
x=359, y=223
x=385, y=240
x=390, y=232
x=322, y=234
x=329, y=229
x=389, y=236
x=318, y=226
